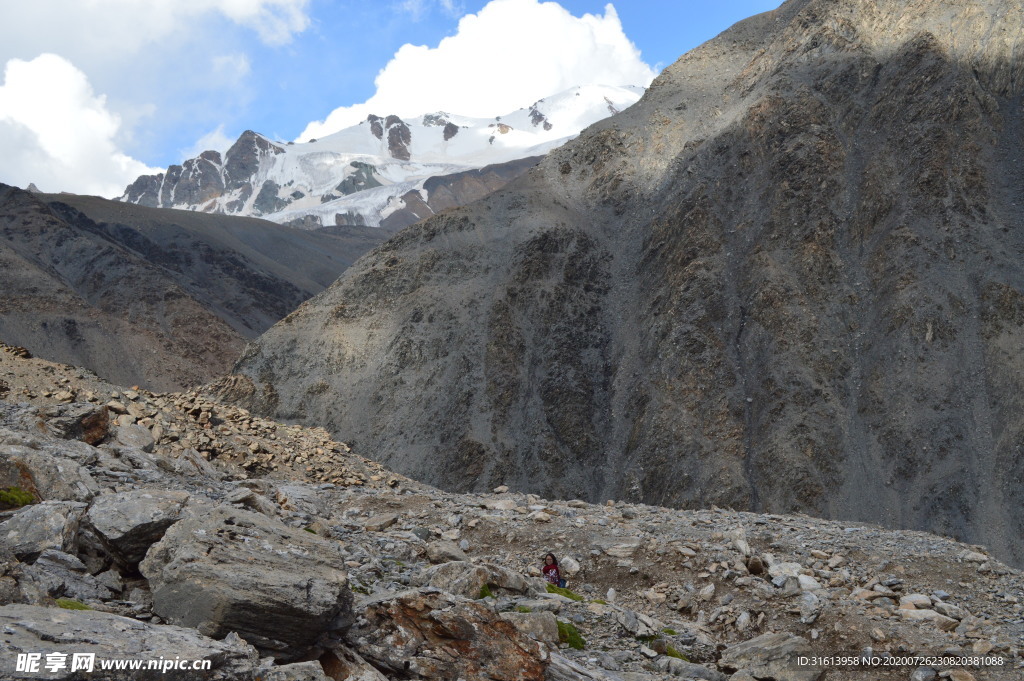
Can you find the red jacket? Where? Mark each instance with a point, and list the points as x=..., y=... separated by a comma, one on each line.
x=552, y=574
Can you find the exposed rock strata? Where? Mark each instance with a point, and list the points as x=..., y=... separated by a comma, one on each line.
x=788, y=279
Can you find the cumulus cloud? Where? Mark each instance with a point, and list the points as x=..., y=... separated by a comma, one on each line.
x=158, y=62
x=508, y=55
x=109, y=29
x=57, y=133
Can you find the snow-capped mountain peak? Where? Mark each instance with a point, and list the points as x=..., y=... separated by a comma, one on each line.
x=362, y=174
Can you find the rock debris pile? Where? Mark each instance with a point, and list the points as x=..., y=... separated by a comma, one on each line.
x=162, y=526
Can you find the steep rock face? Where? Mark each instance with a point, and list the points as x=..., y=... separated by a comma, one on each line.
x=450, y=191
x=789, y=279
x=151, y=297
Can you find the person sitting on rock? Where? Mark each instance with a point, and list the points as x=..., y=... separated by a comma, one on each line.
x=551, y=571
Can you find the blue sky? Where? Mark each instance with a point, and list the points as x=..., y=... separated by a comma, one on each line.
x=113, y=88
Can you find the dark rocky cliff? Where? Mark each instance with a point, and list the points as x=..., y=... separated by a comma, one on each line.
x=789, y=279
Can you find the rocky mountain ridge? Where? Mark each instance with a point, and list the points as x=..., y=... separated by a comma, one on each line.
x=155, y=298
x=788, y=279
x=377, y=170
x=151, y=516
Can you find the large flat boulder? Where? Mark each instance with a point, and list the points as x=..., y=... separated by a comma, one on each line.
x=771, y=655
x=234, y=570
x=429, y=634
x=467, y=579
x=34, y=630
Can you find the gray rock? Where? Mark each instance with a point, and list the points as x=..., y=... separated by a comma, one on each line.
x=637, y=624
x=561, y=668
x=129, y=523
x=429, y=634
x=87, y=422
x=771, y=655
x=379, y=523
x=678, y=667
x=56, y=575
x=48, y=525
x=540, y=626
x=46, y=473
x=235, y=570
x=34, y=630
x=134, y=435
x=299, y=671
x=444, y=552
x=467, y=579
x=924, y=674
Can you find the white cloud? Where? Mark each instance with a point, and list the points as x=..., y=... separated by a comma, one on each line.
x=227, y=67
x=162, y=63
x=57, y=133
x=508, y=55
x=214, y=140
x=110, y=29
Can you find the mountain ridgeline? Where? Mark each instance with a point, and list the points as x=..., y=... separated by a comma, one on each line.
x=151, y=297
x=383, y=171
x=791, y=278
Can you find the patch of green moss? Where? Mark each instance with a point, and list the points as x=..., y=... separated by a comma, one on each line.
x=570, y=635
x=523, y=608
x=669, y=632
x=672, y=652
x=600, y=601
x=309, y=529
x=72, y=604
x=552, y=589
x=485, y=592
x=15, y=497
x=358, y=588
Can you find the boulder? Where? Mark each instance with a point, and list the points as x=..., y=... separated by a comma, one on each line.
x=771, y=655
x=128, y=523
x=135, y=436
x=33, y=630
x=638, y=624
x=444, y=552
x=81, y=421
x=47, y=525
x=569, y=567
x=235, y=570
x=563, y=669
x=467, y=579
x=379, y=523
x=56, y=574
x=540, y=626
x=300, y=671
x=46, y=473
x=429, y=634
x=688, y=670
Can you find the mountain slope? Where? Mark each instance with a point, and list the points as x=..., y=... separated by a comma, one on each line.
x=789, y=279
x=366, y=173
x=150, y=297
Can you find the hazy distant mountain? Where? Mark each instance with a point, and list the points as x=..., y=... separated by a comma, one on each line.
x=791, y=278
x=378, y=170
x=157, y=298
